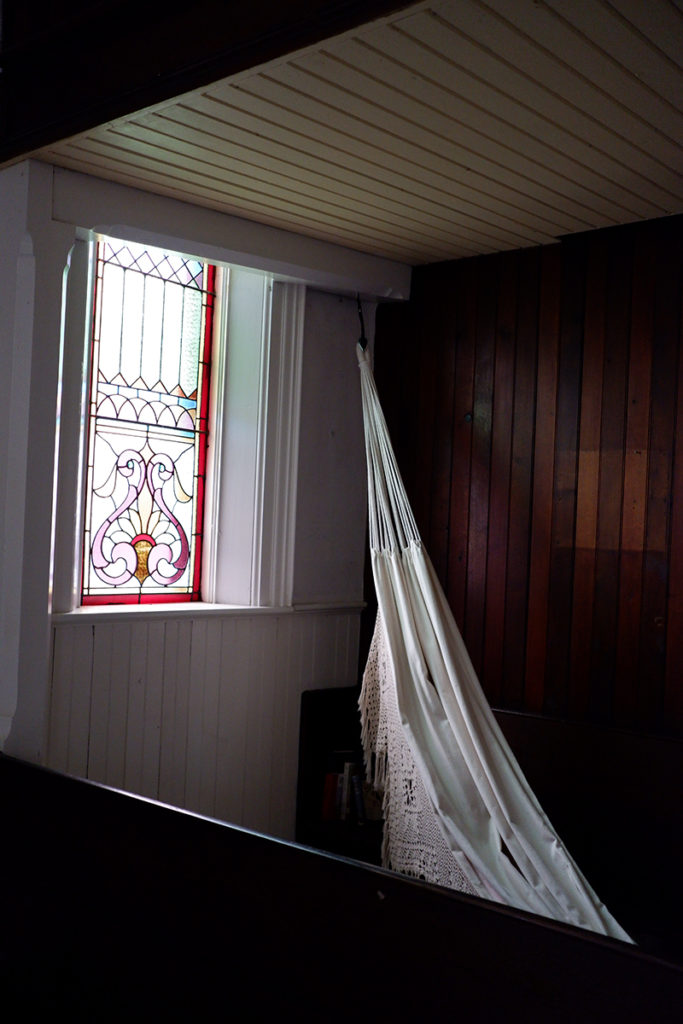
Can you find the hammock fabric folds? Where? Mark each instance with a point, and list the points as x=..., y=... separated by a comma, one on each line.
x=457, y=809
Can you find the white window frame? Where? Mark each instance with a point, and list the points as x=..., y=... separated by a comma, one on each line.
x=250, y=498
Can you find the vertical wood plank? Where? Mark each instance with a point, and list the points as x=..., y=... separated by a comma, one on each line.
x=348, y=664
x=487, y=291
x=259, y=725
x=338, y=645
x=118, y=704
x=441, y=339
x=60, y=698
x=281, y=696
x=586, y=537
x=286, y=709
x=173, y=758
x=635, y=484
x=463, y=406
x=169, y=657
x=183, y=673
x=517, y=588
x=232, y=721
x=555, y=696
x=207, y=781
x=79, y=712
x=610, y=491
x=324, y=640
x=500, y=473
x=99, y=702
x=662, y=428
x=153, y=713
x=135, y=715
x=544, y=471
x=196, y=684
x=673, y=680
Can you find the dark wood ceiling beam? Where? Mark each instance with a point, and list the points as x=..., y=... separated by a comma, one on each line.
x=70, y=67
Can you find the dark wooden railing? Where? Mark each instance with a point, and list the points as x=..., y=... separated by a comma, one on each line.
x=612, y=796
x=114, y=907
x=614, y=799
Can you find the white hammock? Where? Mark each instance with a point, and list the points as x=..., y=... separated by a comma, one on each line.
x=458, y=811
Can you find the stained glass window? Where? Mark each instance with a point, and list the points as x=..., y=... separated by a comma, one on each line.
x=149, y=392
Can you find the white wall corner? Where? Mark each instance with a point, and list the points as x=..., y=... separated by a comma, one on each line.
x=16, y=298
x=34, y=253
x=331, y=485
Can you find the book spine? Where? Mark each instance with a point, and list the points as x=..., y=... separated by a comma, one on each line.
x=329, y=807
x=358, y=802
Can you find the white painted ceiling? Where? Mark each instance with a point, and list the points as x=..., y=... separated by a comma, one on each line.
x=449, y=129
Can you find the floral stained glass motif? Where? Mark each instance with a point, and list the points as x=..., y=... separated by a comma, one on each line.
x=151, y=344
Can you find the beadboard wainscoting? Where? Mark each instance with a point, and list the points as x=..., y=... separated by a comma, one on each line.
x=198, y=712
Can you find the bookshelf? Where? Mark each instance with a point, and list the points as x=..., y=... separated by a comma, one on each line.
x=331, y=813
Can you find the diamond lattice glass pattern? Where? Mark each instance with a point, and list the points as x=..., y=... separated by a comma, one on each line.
x=148, y=425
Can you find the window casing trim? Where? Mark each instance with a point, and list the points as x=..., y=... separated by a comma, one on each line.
x=266, y=507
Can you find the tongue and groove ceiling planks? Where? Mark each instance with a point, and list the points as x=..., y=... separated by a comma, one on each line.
x=442, y=131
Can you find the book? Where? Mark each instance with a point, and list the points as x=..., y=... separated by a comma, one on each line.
x=329, y=806
x=372, y=800
x=358, y=801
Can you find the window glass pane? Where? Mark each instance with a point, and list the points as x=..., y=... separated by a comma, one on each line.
x=173, y=324
x=189, y=353
x=131, y=327
x=109, y=315
x=151, y=340
x=152, y=331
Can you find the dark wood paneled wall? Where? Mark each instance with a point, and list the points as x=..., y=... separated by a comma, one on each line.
x=535, y=400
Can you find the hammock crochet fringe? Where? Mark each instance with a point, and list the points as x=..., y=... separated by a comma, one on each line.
x=458, y=811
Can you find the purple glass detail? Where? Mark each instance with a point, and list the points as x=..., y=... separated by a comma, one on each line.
x=130, y=464
x=154, y=559
x=161, y=556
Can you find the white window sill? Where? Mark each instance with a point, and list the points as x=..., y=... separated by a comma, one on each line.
x=191, y=610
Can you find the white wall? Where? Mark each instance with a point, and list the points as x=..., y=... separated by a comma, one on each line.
x=330, y=526
x=199, y=708
x=33, y=254
x=202, y=711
